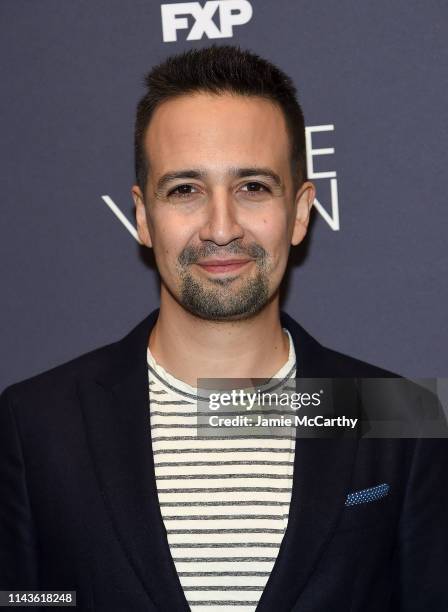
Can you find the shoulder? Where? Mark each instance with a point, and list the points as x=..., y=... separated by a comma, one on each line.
x=345, y=365
x=321, y=361
x=324, y=362
x=112, y=360
x=59, y=381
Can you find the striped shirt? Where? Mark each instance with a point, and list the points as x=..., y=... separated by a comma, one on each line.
x=224, y=501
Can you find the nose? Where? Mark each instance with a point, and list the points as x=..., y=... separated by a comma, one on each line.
x=221, y=225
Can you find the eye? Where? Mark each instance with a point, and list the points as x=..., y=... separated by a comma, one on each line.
x=255, y=187
x=182, y=191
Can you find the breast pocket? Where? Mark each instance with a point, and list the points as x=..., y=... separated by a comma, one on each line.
x=369, y=511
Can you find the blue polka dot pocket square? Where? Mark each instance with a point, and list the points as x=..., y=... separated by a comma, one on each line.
x=364, y=496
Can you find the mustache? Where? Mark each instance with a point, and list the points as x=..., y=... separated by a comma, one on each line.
x=193, y=254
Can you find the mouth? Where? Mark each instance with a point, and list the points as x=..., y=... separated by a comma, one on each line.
x=221, y=266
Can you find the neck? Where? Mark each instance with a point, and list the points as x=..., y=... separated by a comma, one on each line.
x=189, y=347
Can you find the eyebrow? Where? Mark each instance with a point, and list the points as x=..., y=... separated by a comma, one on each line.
x=235, y=172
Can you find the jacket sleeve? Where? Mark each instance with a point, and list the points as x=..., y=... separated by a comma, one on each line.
x=18, y=550
x=421, y=581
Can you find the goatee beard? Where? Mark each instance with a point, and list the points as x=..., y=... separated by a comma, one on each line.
x=213, y=299
x=218, y=305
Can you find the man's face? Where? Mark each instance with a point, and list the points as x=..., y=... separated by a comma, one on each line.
x=219, y=208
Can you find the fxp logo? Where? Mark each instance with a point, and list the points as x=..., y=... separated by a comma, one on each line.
x=231, y=13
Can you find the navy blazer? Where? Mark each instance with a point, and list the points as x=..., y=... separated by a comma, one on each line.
x=79, y=508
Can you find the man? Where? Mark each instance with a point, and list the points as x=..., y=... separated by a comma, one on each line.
x=105, y=487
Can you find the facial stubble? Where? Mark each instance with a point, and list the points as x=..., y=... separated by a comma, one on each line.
x=215, y=299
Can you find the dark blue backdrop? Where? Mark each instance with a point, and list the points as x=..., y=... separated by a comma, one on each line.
x=373, y=283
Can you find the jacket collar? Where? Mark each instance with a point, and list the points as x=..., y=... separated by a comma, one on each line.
x=128, y=355
x=115, y=405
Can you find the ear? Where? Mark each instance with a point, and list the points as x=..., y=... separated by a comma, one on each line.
x=141, y=217
x=302, y=206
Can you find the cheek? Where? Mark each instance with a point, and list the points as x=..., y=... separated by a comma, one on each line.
x=170, y=236
x=272, y=234
x=166, y=252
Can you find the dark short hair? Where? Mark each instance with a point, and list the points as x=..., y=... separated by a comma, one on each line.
x=219, y=70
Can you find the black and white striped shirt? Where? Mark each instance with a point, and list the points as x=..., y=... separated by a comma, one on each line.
x=224, y=502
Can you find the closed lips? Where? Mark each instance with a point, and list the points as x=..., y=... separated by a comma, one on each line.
x=222, y=262
x=223, y=265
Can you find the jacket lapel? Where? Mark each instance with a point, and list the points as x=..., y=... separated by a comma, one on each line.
x=322, y=474
x=116, y=412
x=115, y=405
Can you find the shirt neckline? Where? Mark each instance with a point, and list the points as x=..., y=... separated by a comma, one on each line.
x=285, y=371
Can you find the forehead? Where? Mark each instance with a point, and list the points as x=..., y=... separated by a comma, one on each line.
x=203, y=129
